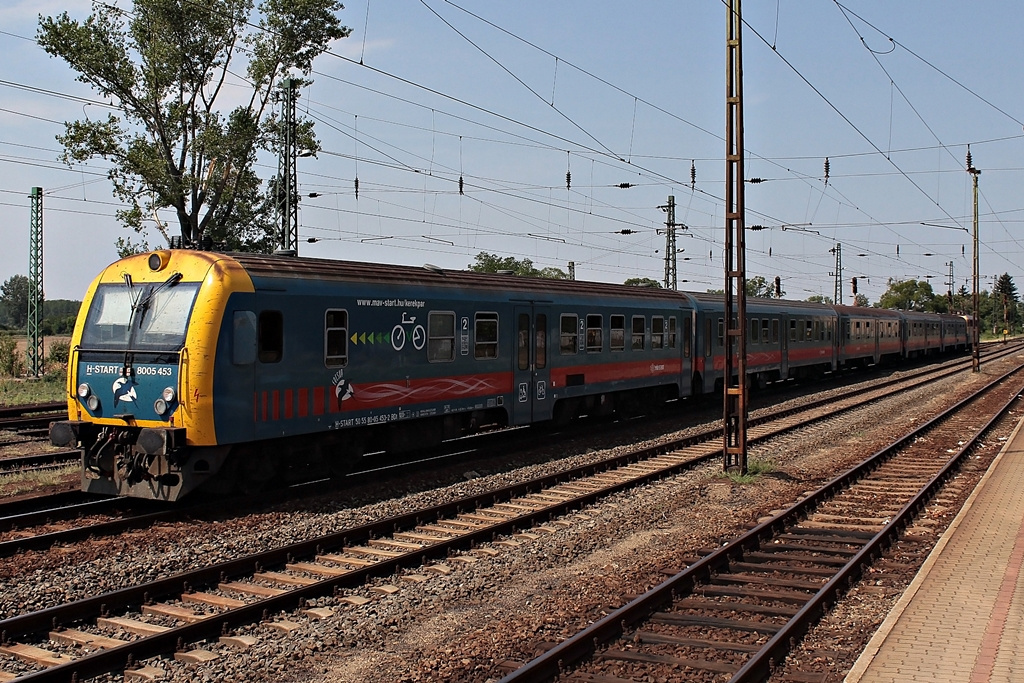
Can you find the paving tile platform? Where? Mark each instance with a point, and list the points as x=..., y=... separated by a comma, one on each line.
x=962, y=618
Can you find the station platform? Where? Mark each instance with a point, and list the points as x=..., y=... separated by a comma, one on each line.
x=962, y=618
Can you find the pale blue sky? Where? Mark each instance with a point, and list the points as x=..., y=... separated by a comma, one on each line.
x=614, y=93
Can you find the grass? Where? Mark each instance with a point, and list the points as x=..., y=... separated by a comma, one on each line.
x=16, y=483
x=18, y=391
x=755, y=468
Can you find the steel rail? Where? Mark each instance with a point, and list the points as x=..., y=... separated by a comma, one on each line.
x=583, y=645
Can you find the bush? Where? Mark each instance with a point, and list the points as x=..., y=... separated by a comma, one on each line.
x=11, y=362
x=60, y=351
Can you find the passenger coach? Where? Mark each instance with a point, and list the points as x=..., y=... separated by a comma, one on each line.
x=189, y=363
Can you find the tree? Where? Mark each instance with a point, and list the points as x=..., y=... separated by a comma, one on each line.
x=908, y=295
x=961, y=300
x=492, y=263
x=165, y=65
x=642, y=282
x=820, y=299
x=758, y=286
x=14, y=297
x=861, y=300
x=1005, y=293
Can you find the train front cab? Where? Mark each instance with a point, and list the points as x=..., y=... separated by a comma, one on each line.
x=140, y=374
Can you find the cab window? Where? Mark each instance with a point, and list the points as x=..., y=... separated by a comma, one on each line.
x=271, y=336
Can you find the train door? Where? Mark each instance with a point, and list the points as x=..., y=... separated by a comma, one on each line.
x=531, y=374
x=784, y=347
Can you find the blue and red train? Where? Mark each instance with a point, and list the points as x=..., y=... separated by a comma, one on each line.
x=202, y=370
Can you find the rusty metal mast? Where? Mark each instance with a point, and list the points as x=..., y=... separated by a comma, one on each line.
x=735, y=385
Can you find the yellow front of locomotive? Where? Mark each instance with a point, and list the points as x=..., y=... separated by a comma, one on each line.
x=140, y=373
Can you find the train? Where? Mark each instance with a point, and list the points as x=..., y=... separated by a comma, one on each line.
x=205, y=371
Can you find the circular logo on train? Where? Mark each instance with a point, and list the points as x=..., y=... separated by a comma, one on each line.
x=124, y=390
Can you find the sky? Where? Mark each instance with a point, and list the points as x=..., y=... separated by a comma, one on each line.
x=512, y=97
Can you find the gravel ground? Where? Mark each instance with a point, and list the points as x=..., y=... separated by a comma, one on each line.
x=463, y=625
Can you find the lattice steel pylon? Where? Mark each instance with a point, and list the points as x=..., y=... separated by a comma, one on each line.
x=34, y=352
x=671, y=269
x=287, y=176
x=837, y=294
x=735, y=378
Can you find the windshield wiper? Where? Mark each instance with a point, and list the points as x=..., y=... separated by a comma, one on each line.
x=143, y=304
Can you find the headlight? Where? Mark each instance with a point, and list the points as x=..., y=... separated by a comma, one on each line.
x=84, y=390
x=168, y=394
x=93, y=402
x=160, y=406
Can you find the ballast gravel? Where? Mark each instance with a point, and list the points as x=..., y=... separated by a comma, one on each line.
x=488, y=612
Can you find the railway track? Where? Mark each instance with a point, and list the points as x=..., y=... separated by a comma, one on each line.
x=31, y=419
x=41, y=527
x=206, y=603
x=36, y=461
x=735, y=613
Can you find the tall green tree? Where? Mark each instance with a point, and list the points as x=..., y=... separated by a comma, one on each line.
x=492, y=263
x=14, y=300
x=167, y=66
x=908, y=295
x=1005, y=294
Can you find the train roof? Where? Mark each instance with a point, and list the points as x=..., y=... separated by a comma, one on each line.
x=304, y=268
x=708, y=298
x=868, y=311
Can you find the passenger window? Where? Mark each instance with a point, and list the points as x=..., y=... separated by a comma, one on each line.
x=440, y=337
x=569, y=338
x=721, y=333
x=617, y=332
x=485, y=336
x=657, y=332
x=755, y=325
x=594, y=342
x=523, y=341
x=336, y=338
x=687, y=329
x=271, y=336
x=672, y=333
x=540, y=359
x=639, y=332
x=792, y=330
x=775, y=331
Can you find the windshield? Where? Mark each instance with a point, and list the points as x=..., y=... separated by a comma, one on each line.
x=147, y=318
